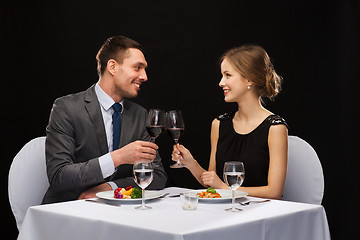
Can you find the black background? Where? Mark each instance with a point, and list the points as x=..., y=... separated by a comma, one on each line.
x=48, y=50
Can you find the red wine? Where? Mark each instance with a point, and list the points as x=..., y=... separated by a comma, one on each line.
x=154, y=131
x=175, y=133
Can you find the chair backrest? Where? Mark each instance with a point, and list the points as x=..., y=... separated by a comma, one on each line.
x=304, y=180
x=28, y=181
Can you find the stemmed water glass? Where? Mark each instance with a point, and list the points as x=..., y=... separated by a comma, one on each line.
x=143, y=176
x=155, y=123
x=175, y=127
x=234, y=174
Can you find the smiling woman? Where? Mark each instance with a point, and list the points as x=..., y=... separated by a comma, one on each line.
x=253, y=63
x=252, y=135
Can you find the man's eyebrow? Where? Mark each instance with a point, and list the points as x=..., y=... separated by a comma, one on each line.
x=141, y=64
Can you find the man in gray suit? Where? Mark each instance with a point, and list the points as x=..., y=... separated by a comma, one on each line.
x=80, y=157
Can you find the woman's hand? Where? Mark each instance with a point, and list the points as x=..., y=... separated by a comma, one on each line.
x=182, y=154
x=211, y=179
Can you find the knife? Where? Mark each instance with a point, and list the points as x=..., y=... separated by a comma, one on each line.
x=175, y=195
x=106, y=203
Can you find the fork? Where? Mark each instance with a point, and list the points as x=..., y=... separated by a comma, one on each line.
x=249, y=202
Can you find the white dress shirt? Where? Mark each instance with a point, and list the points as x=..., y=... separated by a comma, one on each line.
x=106, y=163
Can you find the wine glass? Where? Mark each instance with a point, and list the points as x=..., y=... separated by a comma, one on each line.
x=143, y=176
x=155, y=122
x=175, y=127
x=234, y=174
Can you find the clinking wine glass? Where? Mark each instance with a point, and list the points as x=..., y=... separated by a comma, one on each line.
x=143, y=176
x=175, y=127
x=155, y=123
x=234, y=174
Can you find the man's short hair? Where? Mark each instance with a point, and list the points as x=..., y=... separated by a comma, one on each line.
x=114, y=48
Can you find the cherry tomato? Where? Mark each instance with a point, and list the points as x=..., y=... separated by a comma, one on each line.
x=117, y=190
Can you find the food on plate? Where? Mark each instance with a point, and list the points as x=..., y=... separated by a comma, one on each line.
x=136, y=193
x=209, y=193
x=127, y=193
x=211, y=190
x=118, y=194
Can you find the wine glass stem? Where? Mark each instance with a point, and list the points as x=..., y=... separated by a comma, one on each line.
x=176, y=143
x=143, y=198
x=233, y=198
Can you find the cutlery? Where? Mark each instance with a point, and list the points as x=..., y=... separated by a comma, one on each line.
x=106, y=203
x=250, y=202
x=164, y=195
x=171, y=196
x=176, y=195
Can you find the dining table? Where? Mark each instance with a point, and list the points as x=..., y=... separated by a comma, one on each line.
x=89, y=220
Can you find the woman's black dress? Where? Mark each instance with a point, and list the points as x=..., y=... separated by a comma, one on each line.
x=252, y=149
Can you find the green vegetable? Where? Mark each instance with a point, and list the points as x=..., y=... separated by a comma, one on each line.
x=136, y=193
x=211, y=190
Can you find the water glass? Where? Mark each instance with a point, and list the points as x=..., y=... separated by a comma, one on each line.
x=234, y=174
x=189, y=200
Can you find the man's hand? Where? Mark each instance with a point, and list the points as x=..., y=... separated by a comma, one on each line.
x=91, y=193
x=135, y=151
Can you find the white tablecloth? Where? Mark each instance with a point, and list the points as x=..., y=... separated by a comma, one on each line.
x=167, y=220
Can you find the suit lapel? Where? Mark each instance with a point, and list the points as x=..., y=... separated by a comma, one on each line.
x=93, y=109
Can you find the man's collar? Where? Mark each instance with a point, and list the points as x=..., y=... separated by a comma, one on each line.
x=105, y=100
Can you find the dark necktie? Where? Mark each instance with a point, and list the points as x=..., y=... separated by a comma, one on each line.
x=116, y=125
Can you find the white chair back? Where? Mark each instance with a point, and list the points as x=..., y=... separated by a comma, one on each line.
x=28, y=180
x=304, y=180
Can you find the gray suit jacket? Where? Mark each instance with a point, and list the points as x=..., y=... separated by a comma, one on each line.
x=75, y=138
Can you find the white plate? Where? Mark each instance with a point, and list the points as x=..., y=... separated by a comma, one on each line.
x=225, y=194
x=109, y=195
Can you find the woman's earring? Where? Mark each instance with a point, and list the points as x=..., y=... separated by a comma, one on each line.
x=249, y=87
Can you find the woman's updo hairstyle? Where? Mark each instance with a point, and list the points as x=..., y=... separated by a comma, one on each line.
x=254, y=64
